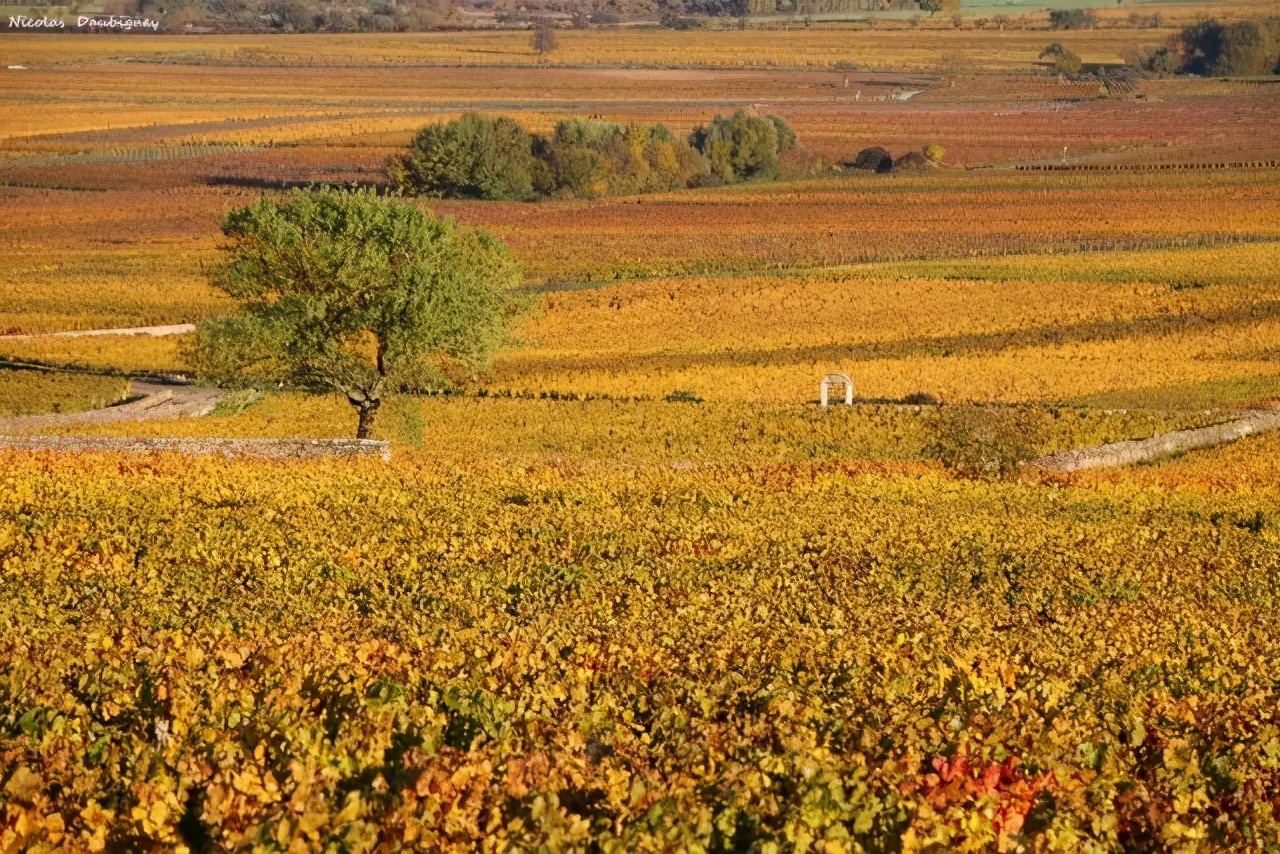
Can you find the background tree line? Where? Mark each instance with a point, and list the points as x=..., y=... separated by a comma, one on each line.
x=481, y=157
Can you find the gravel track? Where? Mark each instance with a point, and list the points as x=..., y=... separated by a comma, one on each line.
x=153, y=331
x=147, y=402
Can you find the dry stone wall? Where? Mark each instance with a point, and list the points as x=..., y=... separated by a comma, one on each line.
x=280, y=449
x=1144, y=450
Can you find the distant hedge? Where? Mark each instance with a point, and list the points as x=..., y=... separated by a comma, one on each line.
x=480, y=157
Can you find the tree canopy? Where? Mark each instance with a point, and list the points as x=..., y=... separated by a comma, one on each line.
x=950, y=7
x=1064, y=60
x=595, y=157
x=544, y=39
x=1242, y=48
x=343, y=291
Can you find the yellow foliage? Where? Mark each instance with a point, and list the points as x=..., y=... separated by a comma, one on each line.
x=115, y=352
x=1026, y=328
x=29, y=392
x=581, y=610
x=447, y=649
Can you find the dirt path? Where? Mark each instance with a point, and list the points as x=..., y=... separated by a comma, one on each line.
x=148, y=402
x=1177, y=442
x=154, y=331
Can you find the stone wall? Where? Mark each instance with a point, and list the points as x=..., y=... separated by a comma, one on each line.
x=276, y=449
x=1143, y=450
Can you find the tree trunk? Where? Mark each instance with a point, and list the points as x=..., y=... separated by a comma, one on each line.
x=367, y=410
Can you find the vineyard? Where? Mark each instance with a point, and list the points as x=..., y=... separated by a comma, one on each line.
x=1146, y=327
x=632, y=589
x=32, y=393
x=981, y=331
x=479, y=655
x=921, y=47
x=133, y=258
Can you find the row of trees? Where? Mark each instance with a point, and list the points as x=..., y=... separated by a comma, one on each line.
x=1211, y=48
x=479, y=157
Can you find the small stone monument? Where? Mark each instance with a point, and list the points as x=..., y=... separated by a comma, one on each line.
x=836, y=379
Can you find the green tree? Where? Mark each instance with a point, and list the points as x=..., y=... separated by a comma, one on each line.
x=293, y=15
x=343, y=291
x=1242, y=48
x=579, y=156
x=1072, y=19
x=473, y=157
x=743, y=147
x=950, y=7
x=1162, y=60
x=786, y=134
x=495, y=158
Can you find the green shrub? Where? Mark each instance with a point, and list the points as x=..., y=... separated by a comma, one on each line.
x=672, y=21
x=544, y=39
x=476, y=157
x=1248, y=49
x=1200, y=45
x=235, y=402
x=1244, y=48
x=985, y=441
x=786, y=134
x=1164, y=60
x=874, y=159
